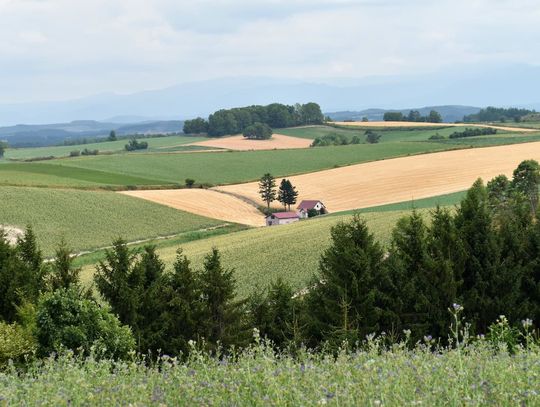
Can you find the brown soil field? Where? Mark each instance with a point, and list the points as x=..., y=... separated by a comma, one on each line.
x=423, y=124
x=205, y=202
x=402, y=179
x=278, y=142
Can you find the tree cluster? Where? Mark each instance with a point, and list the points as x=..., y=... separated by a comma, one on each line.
x=372, y=137
x=498, y=114
x=334, y=139
x=286, y=194
x=477, y=131
x=413, y=116
x=134, y=145
x=236, y=120
x=258, y=131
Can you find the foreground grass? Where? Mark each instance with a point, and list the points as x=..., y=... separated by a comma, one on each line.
x=91, y=219
x=476, y=375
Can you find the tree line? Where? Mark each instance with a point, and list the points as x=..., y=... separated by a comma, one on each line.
x=413, y=116
x=234, y=121
x=478, y=131
x=498, y=114
x=481, y=259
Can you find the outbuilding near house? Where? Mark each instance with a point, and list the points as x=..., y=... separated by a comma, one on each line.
x=316, y=207
x=282, y=218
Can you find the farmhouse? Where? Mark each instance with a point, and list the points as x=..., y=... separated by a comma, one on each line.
x=315, y=207
x=281, y=218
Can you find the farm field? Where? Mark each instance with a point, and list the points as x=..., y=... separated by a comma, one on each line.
x=219, y=205
x=91, y=219
x=401, y=179
x=278, y=142
x=498, y=126
x=260, y=256
x=154, y=144
x=212, y=168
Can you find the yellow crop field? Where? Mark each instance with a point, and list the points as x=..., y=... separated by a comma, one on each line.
x=425, y=124
x=240, y=143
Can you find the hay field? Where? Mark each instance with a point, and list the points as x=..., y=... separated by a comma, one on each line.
x=402, y=179
x=205, y=202
x=424, y=124
x=240, y=143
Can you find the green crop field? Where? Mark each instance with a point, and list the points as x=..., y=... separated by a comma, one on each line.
x=475, y=375
x=170, y=143
x=91, y=219
x=212, y=168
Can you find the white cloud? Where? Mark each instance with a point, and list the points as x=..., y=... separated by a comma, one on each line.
x=63, y=48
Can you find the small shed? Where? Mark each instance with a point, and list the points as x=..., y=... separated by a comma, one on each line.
x=282, y=218
x=311, y=205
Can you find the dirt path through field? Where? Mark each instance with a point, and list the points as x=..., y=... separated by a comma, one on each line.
x=402, y=179
x=278, y=142
x=424, y=124
x=205, y=202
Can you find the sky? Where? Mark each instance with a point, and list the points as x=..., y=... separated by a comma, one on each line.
x=62, y=49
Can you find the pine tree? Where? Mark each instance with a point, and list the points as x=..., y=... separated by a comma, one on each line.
x=282, y=193
x=480, y=257
x=409, y=266
x=222, y=314
x=267, y=189
x=287, y=194
x=350, y=277
x=63, y=274
x=181, y=313
x=113, y=282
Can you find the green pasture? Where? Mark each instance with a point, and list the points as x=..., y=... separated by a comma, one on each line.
x=92, y=219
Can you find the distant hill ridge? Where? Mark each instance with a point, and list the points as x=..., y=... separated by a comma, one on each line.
x=39, y=135
x=449, y=113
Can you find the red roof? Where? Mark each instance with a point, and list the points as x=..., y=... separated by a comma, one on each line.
x=285, y=215
x=307, y=205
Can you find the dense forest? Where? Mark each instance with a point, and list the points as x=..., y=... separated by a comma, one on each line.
x=236, y=120
x=481, y=260
x=498, y=114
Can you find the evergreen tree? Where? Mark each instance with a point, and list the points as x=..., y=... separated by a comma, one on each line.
x=63, y=274
x=409, y=266
x=287, y=194
x=345, y=300
x=267, y=189
x=181, y=313
x=480, y=256
x=222, y=314
x=112, y=279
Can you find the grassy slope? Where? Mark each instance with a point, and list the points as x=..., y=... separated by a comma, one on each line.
x=91, y=219
x=154, y=144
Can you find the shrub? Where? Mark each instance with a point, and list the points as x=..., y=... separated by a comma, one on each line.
x=75, y=153
x=89, y=152
x=190, y=182
x=372, y=137
x=16, y=343
x=136, y=145
x=437, y=136
x=473, y=132
x=67, y=321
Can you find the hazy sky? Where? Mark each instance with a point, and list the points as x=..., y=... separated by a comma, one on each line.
x=57, y=49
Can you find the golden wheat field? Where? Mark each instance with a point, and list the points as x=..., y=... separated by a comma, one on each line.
x=239, y=142
x=402, y=179
x=205, y=202
x=424, y=124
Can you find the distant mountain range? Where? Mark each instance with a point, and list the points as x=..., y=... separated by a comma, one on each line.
x=449, y=114
x=497, y=86
x=25, y=135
